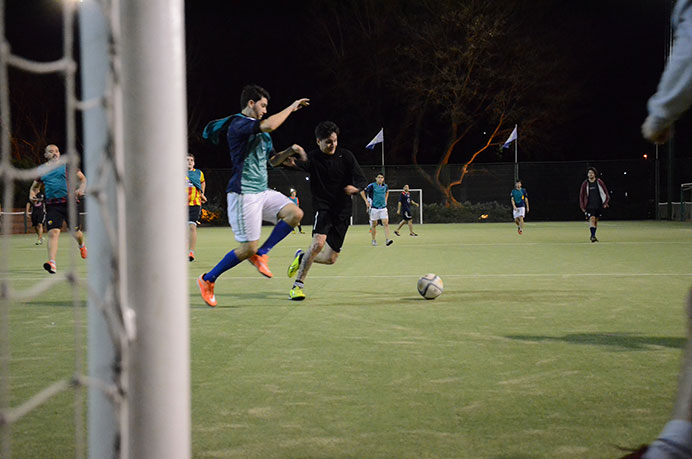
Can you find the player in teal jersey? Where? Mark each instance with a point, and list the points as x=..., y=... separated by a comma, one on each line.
x=375, y=196
x=56, y=193
x=520, y=205
x=248, y=198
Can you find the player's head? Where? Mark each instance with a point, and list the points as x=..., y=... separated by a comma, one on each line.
x=327, y=136
x=592, y=173
x=51, y=152
x=517, y=184
x=406, y=188
x=190, y=161
x=379, y=178
x=254, y=101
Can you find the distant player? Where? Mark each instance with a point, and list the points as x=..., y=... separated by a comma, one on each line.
x=296, y=200
x=335, y=176
x=520, y=205
x=56, y=191
x=249, y=200
x=378, y=193
x=195, y=198
x=593, y=198
x=37, y=211
x=403, y=208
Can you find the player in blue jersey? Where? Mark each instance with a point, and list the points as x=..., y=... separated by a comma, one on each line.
x=403, y=208
x=248, y=198
x=56, y=183
x=375, y=196
x=520, y=205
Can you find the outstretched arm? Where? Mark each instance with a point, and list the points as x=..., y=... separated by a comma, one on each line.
x=287, y=154
x=277, y=119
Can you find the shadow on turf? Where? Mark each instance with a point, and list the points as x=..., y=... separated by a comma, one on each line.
x=237, y=300
x=622, y=340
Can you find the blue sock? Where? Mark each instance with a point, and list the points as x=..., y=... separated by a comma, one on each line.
x=593, y=231
x=281, y=230
x=226, y=263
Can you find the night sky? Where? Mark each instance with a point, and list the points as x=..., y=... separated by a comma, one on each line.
x=613, y=52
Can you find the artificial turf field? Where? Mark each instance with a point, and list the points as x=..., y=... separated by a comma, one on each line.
x=541, y=346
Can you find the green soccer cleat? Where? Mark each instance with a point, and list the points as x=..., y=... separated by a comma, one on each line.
x=295, y=265
x=296, y=293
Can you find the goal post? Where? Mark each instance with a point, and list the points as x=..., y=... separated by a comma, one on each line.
x=685, y=204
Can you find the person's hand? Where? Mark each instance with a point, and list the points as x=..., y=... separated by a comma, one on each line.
x=299, y=152
x=300, y=103
x=527, y=209
x=79, y=193
x=350, y=190
x=398, y=212
x=204, y=198
x=606, y=205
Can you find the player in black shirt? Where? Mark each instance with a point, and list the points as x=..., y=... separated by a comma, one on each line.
x=335, y=176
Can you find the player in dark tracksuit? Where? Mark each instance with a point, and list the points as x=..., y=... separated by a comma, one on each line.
x=37, y=210
x=593, y=198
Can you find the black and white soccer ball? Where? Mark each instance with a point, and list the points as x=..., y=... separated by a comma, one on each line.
x=430, y=286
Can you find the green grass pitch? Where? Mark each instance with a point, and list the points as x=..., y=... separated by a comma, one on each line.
x=542, y=345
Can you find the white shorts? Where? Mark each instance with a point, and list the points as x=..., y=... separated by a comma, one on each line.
x=519, y=212
x=378, y=214
x=246, y=212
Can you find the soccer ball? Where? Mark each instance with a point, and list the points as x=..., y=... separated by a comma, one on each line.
x=430, y=286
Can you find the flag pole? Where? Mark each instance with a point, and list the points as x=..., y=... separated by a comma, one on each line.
x=516, y=162
x=383, y=151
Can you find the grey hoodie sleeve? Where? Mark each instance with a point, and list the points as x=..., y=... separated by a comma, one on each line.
x=674, y=94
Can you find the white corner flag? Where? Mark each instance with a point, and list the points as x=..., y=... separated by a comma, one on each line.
x=379, y=138
x=512, y=137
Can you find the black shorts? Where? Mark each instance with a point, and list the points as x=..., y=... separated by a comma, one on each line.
x=406, y=215
x=333, y=225
x=193, y=214
x=56, y=214
x=594, y=213
x=38, y=217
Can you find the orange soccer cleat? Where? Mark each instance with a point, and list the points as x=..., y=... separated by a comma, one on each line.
x=206, y=289
x=260, y=262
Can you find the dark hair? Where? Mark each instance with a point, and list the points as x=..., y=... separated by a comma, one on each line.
x=190, y=155
x=252, y=92
x=517, y=181
x=325, y=129
x=379, y=175
x=595, y=171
